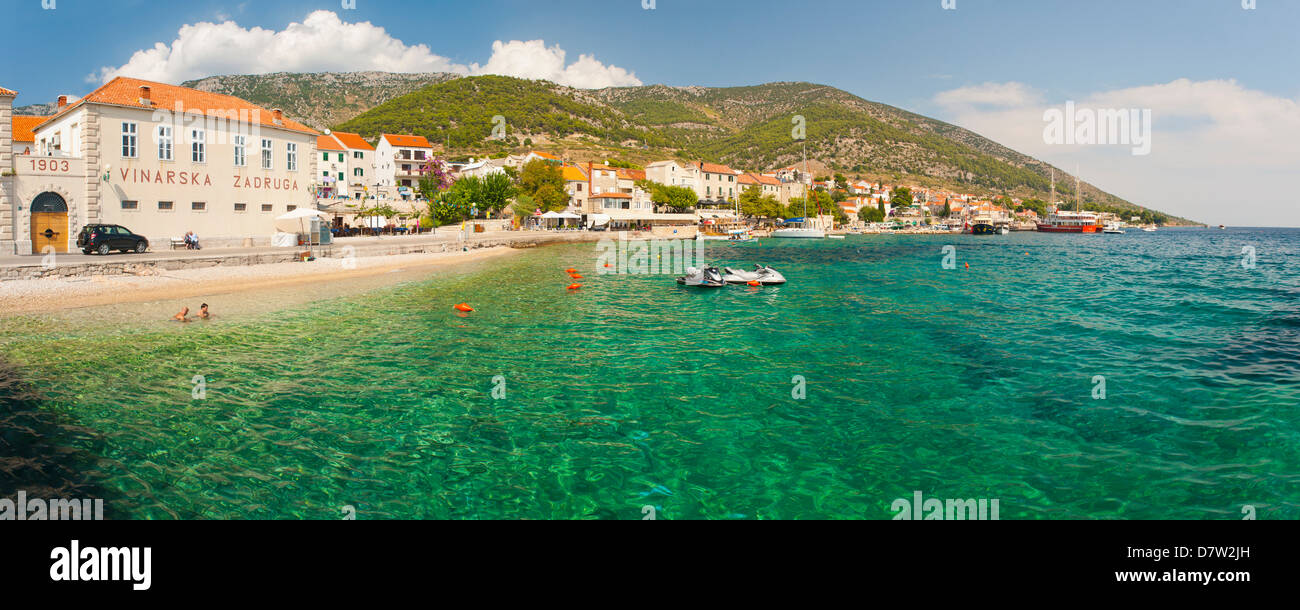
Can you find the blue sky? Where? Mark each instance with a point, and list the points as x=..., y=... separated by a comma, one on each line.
x=906, y=53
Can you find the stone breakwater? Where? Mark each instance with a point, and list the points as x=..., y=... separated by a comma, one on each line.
x=127, y=264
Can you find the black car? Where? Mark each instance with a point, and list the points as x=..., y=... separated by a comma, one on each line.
x=106, y=238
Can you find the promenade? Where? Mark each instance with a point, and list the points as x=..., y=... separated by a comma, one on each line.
x=76, y=264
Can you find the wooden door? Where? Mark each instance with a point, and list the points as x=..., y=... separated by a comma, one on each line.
x=49, y=229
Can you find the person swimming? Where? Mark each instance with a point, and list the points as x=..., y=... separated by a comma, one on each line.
x=183, y=316
x=203, y=311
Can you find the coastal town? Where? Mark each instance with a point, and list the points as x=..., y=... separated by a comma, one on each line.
x=184, y=168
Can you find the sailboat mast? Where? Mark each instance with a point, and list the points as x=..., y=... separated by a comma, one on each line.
x=1077, y=202
x=809, y=193
x=1052, y=201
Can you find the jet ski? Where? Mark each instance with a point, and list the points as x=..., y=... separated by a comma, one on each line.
x=708, y=277
x=763, y=274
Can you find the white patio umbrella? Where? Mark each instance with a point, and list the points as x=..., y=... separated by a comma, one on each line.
x=300, y=214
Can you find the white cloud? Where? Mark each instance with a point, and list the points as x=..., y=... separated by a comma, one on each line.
x=1221, y=153
x=323, y=43
x=999, y=95
x=533, y=59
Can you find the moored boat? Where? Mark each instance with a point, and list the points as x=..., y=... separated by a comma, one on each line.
x=762, y=274
x=799, y=228
x=708, y=277
x=1070, y=222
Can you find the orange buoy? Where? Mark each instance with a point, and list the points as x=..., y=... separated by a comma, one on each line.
x=462, y=307
x=968, y=265
x=574, y=286
x=607, y=265
x=570, y=270
x=755, y=283
x=575, y=276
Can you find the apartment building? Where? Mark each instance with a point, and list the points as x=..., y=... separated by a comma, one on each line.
x=398, y=160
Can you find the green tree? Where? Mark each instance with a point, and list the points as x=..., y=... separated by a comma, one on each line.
x=538, y=174
x=545, y=184
x=870, y=214
x=902, y=197
x=677, y=198
x=495, y=192
x=754, y=203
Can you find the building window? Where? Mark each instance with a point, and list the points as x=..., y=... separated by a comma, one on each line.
x=130, y=205
x=164, y=143
x=358, y=172
x=340, y=176
x=292, y=208
x=325, y=157
x=241, y=207
x=164, y=206
x=198, y=206
x=358, y=155
x=340, y=157
x=129, y=140
x=266, y=154
x=198, y=146
x=291, y=162
x=266, y=207
x=241, y=143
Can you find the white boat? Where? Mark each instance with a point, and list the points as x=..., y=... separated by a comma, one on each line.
x=805, y=230
x=1113, y=228
x=708, y=277
x=802, y=232
x=835, y=236
x=1150, y=229
x=762, y=274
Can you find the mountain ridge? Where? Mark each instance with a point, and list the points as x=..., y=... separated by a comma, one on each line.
x=749, y=127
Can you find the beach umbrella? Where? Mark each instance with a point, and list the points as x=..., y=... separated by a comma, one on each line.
x=300, y=214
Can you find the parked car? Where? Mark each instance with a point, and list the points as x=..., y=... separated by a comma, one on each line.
x=106, y=238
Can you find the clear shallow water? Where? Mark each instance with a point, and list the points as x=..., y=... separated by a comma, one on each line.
x=960, y=383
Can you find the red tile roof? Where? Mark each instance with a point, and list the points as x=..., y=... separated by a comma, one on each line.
x=631, y=174
x=714, y=168
x=611, y=196
x=7, y=92
x=546, y=155
x=353, y=141
x=25, y=126
x=125, y=92
x=752, y=178
x=406, y=141
x=573, y=174
x=328, y=143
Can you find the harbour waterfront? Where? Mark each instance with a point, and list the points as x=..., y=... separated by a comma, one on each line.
x=634, y=392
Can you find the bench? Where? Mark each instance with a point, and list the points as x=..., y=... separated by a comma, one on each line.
x=177, y=242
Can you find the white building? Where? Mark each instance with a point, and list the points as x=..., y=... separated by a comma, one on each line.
x=157, y=159
x=359, y=168
x=672, y=173
x=398, y=160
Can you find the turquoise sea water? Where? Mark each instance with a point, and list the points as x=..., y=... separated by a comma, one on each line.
x=634, y=392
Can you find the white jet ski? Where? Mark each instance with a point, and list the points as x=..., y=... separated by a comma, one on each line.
x=761, y=273
x=708, y=277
